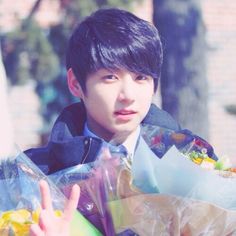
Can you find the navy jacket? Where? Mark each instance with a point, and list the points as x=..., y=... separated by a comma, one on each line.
x=67, y=145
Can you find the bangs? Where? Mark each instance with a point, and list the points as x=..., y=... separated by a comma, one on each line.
x=133, y=57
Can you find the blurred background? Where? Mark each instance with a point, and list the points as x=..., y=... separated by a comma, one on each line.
x=198, y=85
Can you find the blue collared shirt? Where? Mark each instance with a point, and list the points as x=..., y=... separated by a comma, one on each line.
x=129, y=143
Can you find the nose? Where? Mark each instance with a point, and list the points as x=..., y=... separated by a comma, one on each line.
x=127, y=91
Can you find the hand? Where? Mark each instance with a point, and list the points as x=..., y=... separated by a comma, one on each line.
x=49, y=224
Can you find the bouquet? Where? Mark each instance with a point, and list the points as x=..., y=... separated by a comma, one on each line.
x=109, y=193
x=190, y=168
x=20, y=198
x=191, y=201
x=173, y=195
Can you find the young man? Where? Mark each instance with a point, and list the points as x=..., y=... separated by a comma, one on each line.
x=113, y=65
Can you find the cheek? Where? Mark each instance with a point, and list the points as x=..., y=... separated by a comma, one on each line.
x=99, y=103
x=145, y=100
x=145, y=95
x=106, y=98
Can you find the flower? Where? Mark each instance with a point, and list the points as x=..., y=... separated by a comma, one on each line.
x=18, y=222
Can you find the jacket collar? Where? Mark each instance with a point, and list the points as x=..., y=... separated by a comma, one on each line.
x=70, y=122
x=69, y=147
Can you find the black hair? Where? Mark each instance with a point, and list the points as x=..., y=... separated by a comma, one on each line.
x=114, y=39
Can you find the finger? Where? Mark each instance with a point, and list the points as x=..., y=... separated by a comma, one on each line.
x=35, y=230
x=45, y=195
x=71, y=203
x=46, y=220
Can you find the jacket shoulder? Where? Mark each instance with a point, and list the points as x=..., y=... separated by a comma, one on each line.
x=72, y=118
x=161, y=118
x=40, y=157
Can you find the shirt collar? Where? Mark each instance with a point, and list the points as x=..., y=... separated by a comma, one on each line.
x=129, y=143
x=87, y=132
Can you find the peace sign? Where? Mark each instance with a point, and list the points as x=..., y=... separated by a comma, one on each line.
x=50, y=224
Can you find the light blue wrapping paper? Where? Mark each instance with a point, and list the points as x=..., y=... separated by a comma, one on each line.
x=174, y=174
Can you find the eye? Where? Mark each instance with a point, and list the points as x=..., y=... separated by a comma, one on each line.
x=142, y=77
x=109, y=78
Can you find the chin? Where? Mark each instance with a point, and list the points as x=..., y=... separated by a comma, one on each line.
x=124, y=132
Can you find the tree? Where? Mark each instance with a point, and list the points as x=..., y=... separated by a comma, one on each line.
x=184, y=88
x=28, y=55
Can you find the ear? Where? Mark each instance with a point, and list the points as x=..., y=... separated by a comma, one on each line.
x=74, y=85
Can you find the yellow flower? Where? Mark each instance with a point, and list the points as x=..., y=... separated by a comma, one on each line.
x=35, y=215
x=18, y=222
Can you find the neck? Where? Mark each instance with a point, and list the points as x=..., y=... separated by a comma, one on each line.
x=108, y=136
x=115, y=139
x=129, y=140
x=121, y=137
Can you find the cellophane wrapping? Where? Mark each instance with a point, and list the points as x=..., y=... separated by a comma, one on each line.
x=20, y=199
x=186, y=199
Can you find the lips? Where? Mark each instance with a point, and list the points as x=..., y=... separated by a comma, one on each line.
x=125, y=112
x=125, y=115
